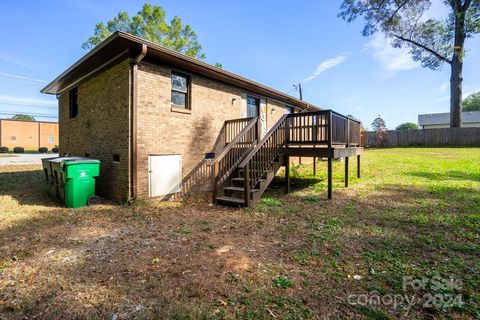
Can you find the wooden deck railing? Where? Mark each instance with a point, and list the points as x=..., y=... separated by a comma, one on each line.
x=234, y=127
x=322, y=127
x=226, y=162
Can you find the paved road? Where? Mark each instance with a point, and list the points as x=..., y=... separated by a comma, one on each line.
x=25, y=158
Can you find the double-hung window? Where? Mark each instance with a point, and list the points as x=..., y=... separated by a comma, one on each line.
x=180, y=90
x=73, y=103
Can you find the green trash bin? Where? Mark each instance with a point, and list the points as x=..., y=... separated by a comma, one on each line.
x=80, y=181
x=47, y=169
x=58, y=179
x=75, y=179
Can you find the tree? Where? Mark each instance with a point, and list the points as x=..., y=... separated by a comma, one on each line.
x=431, y=41
x=472, y=102
x=407, y=126
x=380, y=128
x=352, y=117
x=149, y=23
x=23, y=117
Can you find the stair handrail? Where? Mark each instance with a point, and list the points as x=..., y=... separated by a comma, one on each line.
x=263, y=141
x=252, y=175
x=238, y=156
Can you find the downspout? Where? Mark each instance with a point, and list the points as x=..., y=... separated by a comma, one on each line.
x=133, y=124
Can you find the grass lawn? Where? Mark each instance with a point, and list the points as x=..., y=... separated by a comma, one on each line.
x=415, y=213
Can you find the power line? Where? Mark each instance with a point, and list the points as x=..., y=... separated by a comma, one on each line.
x=30, y=114
x=28, y=105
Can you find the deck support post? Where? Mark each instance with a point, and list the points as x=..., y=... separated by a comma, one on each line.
x=358, y=166
x=346, y=172
x=214, y=181
x=329, y=178
x=246, y=185
x=314, y=166
x=287, y=174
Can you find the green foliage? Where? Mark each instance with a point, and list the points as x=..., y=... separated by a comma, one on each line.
x=379, y=124
x=150, y=24
x=380, y=129
x=23, y=117
x=283, y=282
x=431, y=41
x=407, y=126
x=271, y=202
x=312, y=199
x=472, y=102
x=352, y=117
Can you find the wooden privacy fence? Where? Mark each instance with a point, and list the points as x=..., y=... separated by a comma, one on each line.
x=426, y=137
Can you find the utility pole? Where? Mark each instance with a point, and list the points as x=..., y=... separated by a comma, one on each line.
x=299, y=88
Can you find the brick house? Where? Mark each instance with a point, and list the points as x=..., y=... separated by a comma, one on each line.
x=154, y=116
x=29, y=135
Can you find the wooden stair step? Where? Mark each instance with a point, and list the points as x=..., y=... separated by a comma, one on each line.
x=242, y=179
x=239, y=189
x=230, y=200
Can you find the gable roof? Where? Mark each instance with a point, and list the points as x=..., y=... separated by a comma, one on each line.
x=444, y=118
x=121, y=45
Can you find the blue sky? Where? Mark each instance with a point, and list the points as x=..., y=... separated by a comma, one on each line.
x=277, y=43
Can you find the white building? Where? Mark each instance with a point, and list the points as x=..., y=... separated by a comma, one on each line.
x=442, y=120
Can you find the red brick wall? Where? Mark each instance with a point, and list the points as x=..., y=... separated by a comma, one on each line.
x=163, y=131
x=101, y=128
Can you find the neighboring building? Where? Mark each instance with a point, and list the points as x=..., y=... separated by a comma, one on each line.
x=30, y=135
x=154, y=116
x=442, y=120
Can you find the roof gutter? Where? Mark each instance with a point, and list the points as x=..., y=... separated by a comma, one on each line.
x=133, y=122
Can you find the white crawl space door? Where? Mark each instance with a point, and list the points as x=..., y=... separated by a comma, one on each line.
x=164, y=174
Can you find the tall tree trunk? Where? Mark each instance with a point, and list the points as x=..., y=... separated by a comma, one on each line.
x=456, y=64
x=456, y=80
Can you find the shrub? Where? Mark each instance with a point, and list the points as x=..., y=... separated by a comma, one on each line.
x=18, y=150
x=3, y=149
x=55, y=150
x=42, y=150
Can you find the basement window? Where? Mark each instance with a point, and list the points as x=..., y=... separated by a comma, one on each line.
x=73, y=103
x=116, y=158
x=180, y=91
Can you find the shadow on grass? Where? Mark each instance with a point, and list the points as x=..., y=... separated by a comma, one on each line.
x=27, y=187
x=449, y=175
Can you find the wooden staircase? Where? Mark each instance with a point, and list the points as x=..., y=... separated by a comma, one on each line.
x=244, y=168
x=254, y=165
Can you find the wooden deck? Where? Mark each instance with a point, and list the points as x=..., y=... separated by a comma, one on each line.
x=245, y=167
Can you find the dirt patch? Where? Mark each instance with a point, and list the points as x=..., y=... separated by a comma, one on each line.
x=297, y=256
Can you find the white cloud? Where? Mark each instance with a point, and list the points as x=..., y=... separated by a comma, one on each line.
x=444, y=86
x=14, y=76
x=465, y=94
x=12, y=59
x=27, y=100
x=327, y=64
x=391, y=59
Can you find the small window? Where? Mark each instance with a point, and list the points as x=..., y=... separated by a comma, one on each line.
x=14, y=138
x=73, y=103
x=116, y=158
x=87, y=155
x=51, y=139
x=180, y=90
